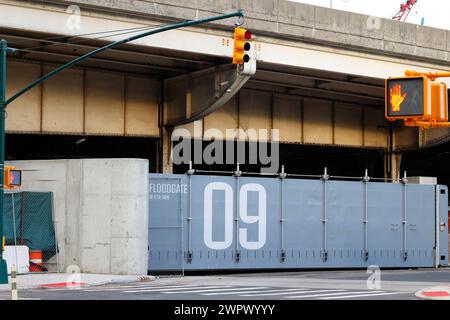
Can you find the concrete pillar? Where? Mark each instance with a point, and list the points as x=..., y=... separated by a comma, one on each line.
x=165, y=151
x=396, y=159
x=393, y=158
x=100, y=211
x=422, y=138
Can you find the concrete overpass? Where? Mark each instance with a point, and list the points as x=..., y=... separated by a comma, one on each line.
x=319, y=80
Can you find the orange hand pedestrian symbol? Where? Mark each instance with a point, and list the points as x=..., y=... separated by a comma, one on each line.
x=397, y=97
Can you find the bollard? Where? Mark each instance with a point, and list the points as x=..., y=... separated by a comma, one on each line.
x=14, y=295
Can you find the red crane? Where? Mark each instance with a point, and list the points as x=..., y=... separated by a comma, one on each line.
x=404, y=11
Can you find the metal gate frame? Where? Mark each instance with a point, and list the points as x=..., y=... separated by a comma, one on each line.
x=180, y=254
x=323, y=256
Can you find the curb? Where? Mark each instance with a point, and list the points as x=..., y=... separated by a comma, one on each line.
x=434, y=293
x=113, y=281
x=62, y=285
x=96, y=283
x=82, y=283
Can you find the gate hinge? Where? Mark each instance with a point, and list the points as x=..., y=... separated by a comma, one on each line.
x=282, y=255
x=189, y=256
x=237, y=256
x=324, y=255
x=405, y=255
x=366, y=255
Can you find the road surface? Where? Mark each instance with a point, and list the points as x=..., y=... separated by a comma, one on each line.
x=304, y=285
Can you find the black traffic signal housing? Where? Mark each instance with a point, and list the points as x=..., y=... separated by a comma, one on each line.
x=406, y=97
x=12, y=177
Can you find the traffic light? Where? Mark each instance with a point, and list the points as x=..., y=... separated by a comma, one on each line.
x=242, y=45
x=12, y=178
x=439, y=103
x=416, y=99
x=408, y=97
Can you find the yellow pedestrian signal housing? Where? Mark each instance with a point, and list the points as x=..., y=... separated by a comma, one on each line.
x=242, y=45
x=12, y=178
x=417, y=100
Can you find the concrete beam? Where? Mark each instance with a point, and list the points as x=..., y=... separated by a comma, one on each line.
x=273, y=45
x=307, y=23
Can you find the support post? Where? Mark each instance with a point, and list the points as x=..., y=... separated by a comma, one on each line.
x=166, y=142
x=437, y=227
x=282, y=176
x=366, y=180
x=237, y=174
x=14, y=295
x=325, y=177
x=393, y=157
x=3, y=49
x=190, y=172
x=396, y=159
x=404, y=181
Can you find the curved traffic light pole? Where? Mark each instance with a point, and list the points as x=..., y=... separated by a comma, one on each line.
x=178, y=25
x=5, y=102
x=430, y=75
x=425, y=125
x=244, y=58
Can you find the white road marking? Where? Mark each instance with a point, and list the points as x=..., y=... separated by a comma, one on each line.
x=362, y=295
x=95, y=287
x=230, y=289
x=217, y=290
x=174, y=289
x=140, y=287
x=281, y=291
x=293, y=292
x=331, y=294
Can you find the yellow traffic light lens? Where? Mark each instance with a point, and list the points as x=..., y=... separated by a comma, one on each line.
x=241, y=45
x=241, y=58
x=238, y=58
x=241, y=34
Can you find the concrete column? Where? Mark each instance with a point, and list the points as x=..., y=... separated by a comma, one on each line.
x=395, y=160
x=393, y=157
x=100, y=211
x=166, y=150
x=165, y=143
x=422, y=138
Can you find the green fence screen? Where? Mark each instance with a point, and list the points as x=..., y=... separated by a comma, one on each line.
x=32, y=224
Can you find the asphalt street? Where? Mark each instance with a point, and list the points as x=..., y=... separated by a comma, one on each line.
x=316, y=285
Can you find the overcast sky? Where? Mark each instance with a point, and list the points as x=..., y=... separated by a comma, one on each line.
x=435, y=12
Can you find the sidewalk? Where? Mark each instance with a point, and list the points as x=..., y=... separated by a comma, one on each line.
x=435, y=293
x=52, y=280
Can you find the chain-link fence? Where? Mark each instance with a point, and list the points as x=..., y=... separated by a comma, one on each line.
x=30, y=233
